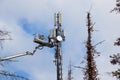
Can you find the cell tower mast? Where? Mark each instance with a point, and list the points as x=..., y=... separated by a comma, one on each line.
x=55, y=40
x=58, y=53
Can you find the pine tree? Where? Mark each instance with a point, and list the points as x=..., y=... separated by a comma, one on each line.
x=90, y=72
x=117, y=7
x=115, y=60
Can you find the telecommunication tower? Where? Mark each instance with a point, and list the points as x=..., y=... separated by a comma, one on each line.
x=55, y=39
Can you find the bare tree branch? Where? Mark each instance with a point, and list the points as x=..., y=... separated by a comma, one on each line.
x=6, y=74
x=5, y=35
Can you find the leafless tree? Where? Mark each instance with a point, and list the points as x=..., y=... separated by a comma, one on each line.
x=6, y=75
x=70, y=72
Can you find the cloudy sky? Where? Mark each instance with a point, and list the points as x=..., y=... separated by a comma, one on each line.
x=23, y=18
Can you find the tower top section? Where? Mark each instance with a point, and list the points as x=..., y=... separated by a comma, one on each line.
x=57, y=19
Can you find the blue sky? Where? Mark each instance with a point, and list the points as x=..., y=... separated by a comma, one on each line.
x=23, y=18
x=33, y=27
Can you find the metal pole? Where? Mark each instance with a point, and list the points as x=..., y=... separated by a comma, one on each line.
x=58, y=49
x=55, y=40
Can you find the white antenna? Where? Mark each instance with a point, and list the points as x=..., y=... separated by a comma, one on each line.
x=54, y=19
x=59, y=18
